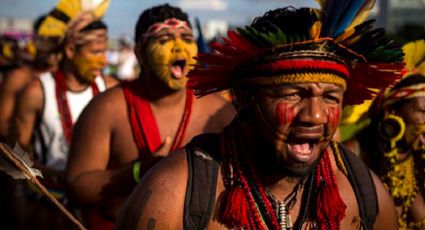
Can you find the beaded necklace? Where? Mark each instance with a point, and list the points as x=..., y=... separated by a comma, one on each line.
x=283, y=207
x=63, y=106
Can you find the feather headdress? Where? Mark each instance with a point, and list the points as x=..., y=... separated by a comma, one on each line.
x=70, y=16
x=288, y=45
x=413, y=83
x=414, y=57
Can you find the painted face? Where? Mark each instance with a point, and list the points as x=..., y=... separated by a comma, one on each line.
x=169, y=55
x=413, y=114
x=299, y=120
x=89, y=59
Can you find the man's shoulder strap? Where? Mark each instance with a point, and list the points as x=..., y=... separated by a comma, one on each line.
x=364, y=188
x=202, y=159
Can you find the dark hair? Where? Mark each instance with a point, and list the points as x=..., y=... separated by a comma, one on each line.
x=157, y=14
x=96, y=25
x=37, y=23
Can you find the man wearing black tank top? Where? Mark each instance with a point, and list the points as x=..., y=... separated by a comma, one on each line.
x=276, y=166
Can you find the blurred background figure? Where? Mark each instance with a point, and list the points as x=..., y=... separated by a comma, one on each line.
x=128, y=67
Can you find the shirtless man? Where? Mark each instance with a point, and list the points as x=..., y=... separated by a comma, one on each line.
x=16, y=78
x=127, y=129
x=37, y=126
x=275, y=166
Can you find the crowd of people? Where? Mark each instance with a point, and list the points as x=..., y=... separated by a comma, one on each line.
x=156, y=145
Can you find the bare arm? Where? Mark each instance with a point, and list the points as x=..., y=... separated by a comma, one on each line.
x=86, y=172
x=28, y=106
x=14, y=82
x=387, y=216
x=158, y=200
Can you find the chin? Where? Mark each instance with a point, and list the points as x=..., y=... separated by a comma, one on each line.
x=300, y=167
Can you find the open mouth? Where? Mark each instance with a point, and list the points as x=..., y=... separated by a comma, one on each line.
x=302, y=150
x=177, y=68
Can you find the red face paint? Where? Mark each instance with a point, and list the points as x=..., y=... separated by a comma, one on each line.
x=333, y=117
x=281, y=113
x=289, y=114
x=284, y=113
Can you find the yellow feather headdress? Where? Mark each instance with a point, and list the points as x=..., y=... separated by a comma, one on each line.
x=70, y=16
x=414, y=57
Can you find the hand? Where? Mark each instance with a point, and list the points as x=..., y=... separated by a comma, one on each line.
x=162, y=152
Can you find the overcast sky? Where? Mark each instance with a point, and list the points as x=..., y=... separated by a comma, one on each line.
x=122, y=14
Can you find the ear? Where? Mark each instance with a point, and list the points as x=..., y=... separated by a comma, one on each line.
x=70, y=51
x=138, y=52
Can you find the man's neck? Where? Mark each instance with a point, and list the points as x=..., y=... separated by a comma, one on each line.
x=72, y=81
x=161, y=96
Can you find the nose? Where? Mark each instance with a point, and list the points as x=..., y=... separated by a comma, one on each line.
x=313, y=112
x=177, y=46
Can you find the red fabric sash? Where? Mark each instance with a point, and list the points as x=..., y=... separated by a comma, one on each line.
x=63, y=106
x=142, y=120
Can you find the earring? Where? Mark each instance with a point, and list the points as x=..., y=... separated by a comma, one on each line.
x=391, y=128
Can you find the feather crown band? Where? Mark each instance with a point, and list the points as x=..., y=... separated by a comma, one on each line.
x=413, y=83
x=290, y=45
x=70, y=16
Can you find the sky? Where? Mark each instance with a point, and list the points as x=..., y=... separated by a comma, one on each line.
x=122, y=15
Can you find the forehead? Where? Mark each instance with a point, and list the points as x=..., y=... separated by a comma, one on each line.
x=307, y=86
x=417, y=102
x=176, y=31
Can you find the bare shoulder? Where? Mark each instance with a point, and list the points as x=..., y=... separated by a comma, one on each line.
x=387, y=215
x=108, y=101
x=158, y=200
x=110, y=81
x=32, y=95
x=16, y=80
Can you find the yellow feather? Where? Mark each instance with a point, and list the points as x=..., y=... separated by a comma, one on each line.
x=100, y=10
x=321, y=3
x=7, y=50
x=315, y=30
x=52, y=27
x=414, y=56
x=347, y=33
x=355, y=113
x=72, y=8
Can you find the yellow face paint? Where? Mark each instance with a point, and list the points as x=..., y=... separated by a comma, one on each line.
x=413, y=136
x=89, y=67
x=171, y=60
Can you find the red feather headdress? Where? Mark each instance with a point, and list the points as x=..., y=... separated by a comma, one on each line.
x=301, y=47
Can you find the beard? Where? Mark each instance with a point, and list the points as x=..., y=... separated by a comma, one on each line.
x=296, y=169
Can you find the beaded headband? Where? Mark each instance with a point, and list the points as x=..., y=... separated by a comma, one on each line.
x=169, y=23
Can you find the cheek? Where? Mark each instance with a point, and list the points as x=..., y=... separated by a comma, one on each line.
x=191, y=50
x=333, y=115
x=158, y=54
x=284, y=113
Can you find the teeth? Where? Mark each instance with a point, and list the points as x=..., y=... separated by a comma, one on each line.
x=304, y=148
